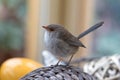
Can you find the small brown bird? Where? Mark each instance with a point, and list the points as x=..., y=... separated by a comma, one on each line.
x=61, y=43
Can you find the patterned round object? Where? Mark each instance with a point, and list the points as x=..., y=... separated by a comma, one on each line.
x=59, y=72
x=105, y=68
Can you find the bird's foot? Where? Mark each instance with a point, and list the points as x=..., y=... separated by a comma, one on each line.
x=58, y=63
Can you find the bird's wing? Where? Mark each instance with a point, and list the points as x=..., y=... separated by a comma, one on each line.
x=62, y=47
x=72, y=40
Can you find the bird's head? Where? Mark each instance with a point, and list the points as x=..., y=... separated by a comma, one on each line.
x=53, y=27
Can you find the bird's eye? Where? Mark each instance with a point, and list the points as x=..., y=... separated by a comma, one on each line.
x=51, y=29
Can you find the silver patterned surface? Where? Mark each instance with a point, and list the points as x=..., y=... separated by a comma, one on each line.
x=106, y=68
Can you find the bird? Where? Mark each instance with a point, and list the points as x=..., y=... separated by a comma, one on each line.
x=61, y=43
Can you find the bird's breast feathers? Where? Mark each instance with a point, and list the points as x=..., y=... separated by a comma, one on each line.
x=46, y=37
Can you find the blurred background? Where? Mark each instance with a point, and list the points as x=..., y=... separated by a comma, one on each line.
x=21, y=34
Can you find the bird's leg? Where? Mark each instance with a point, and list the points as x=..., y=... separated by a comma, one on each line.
x=70, y=59
x=58, y=61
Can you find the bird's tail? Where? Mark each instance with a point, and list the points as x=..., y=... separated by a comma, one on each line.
x=90, y=29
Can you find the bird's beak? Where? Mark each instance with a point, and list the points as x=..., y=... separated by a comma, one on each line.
x=46, y=27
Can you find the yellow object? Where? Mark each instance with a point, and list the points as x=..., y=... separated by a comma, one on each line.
x=15, y=68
